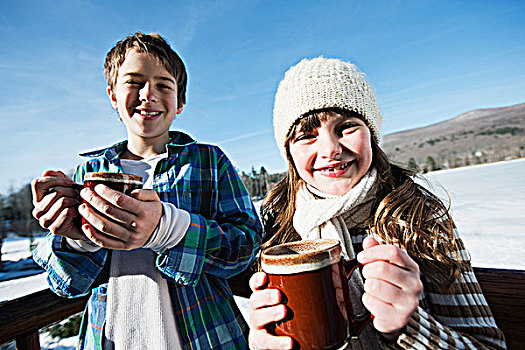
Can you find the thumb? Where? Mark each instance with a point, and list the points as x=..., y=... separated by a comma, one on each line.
x=369, y=242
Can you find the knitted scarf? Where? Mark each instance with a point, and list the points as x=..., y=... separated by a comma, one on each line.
x=319, y=215
x=139, y=310
x=139, y=313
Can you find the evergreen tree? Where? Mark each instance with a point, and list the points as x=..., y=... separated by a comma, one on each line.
x=412, y=164
x=265, y=186
x=431, y=164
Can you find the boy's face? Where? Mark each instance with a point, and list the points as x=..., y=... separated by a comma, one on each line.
x=145, y=96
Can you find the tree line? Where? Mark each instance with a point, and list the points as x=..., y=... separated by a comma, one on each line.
x=457, y=159
x=16, y=215
x=260, y=182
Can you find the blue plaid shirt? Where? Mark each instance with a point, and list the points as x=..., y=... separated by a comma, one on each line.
x=222, y=240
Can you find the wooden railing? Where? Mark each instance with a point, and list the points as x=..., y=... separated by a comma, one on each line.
x=21, y=319
x=505, y=293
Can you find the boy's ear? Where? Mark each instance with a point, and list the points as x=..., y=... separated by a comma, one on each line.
x=179, y=111
x=112, y=97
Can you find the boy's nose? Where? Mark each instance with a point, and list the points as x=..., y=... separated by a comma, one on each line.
x=147, y=93
x=329, y=146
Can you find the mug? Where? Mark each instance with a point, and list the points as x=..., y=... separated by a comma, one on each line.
x=313, y=280
x=124, y=183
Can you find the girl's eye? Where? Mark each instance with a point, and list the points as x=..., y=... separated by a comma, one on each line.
x=347, y=128
x=303, y=137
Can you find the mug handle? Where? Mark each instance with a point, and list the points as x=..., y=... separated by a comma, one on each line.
x=360, y=321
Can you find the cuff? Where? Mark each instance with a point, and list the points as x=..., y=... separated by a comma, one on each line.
x=172, y=227
x=81, y=246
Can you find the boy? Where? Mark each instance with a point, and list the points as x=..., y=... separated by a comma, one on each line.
x=194, y=221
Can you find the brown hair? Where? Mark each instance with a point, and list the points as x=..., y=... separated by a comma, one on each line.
x=154, y=45
x=405, y=214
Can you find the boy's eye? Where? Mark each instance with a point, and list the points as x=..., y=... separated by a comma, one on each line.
x=165, y=87
x=132, y=82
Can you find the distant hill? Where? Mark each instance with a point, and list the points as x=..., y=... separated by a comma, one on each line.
x=478, y=136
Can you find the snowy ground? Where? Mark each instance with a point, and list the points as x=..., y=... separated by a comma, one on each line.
x=488, y=205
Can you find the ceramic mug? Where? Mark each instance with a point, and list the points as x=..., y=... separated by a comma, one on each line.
x=313, y=280
x=124, y=183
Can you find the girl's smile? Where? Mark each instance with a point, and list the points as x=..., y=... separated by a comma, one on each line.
x=335, y=170
x=334, y=156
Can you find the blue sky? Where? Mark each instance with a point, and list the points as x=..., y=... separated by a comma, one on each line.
x=426, y=60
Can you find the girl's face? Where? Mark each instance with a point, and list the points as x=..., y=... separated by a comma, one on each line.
x=334, y=156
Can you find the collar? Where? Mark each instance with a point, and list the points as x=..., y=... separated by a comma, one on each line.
x=178, y=141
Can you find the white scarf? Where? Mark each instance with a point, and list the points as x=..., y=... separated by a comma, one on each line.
x=318, y=215
x=139, y=310
x=139, y=313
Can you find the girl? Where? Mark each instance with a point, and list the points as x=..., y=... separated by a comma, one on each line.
x=417, y=280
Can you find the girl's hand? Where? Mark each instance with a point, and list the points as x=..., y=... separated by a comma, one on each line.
x=133, y=217
x=55, y=202
x=265, y=308
x=392, y=286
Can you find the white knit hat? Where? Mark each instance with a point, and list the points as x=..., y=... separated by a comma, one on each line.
x=323, y=83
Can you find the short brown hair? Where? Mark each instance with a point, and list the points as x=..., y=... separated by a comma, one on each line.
x=154, y=45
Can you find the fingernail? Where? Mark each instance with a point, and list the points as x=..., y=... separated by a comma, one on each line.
x=360, y=256
x=85, y=229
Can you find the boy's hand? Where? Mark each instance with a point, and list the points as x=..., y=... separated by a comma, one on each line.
x=55, y=204
x=133, y=217
x=392, y=286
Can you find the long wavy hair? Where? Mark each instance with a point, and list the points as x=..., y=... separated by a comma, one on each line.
x=404, y=214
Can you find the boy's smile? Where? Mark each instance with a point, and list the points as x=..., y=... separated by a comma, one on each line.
x=145, y=96
x=334, y=156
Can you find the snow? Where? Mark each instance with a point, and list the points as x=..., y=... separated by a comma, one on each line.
x=16, y=248
x=19, y=287
x=16, y=252
x=488, y=206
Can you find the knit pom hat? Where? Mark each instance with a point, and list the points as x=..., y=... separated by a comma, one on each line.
x=323, y=83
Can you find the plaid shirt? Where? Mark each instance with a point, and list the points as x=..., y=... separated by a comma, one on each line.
x=223, y=238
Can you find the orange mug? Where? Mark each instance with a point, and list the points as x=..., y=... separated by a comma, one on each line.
x=313, y=280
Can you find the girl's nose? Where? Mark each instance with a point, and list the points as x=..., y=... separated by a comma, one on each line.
x=147, y=93
x=329, y=146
